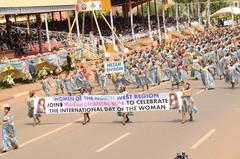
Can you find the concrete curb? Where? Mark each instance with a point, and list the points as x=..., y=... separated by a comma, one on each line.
x=21, y=94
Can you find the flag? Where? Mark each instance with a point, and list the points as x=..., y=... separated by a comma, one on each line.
x=106, y=5
x=165, y=4
x=76, y=8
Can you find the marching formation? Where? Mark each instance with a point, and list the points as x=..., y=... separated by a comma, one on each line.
x=209, y=57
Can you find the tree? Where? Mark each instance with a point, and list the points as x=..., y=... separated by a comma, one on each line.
x=145, y=5
x=216, y=5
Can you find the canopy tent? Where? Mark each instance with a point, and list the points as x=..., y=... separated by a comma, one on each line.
x=222, y=11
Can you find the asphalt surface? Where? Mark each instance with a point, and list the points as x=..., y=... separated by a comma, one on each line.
x=214, y=133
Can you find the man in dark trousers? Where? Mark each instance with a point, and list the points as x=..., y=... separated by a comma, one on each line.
x=32, y=71
x=69, y=60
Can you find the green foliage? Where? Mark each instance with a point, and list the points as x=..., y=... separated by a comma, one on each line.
x=218, y=5
x=152, y=8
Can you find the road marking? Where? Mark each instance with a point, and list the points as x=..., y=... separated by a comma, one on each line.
x=20, y=94
x=199, y=142
x=113, y=142
x=49, y=133
x=25, y=93
x=200, y=91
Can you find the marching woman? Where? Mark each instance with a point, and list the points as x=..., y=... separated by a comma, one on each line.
x=9, y=139
x=165, y=73
x=118, y=83
x=30, y=103
x=58, y=82
x=195, y=71
x=68, y=83
x=207, y=77
x=154, y=70
x=181, y=72
x=85, y=115
x=125, y=115
x=103, y=80
x=174, y=76
x=220, y=67
x=46, y=85
x=133, y=74
x=143, y=78
x=231, y=72
x=211, y=67
x=188, y=105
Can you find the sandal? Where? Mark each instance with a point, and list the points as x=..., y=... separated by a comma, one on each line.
x=34, y=125
x=183, y=122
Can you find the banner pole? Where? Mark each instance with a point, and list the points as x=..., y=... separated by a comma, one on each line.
x=47, y=32
x=159, y=27
x=83, y=25
x=112, y=30
x=112, y=25
x=177, y=25
x=149, y=24
x=100, y=34
x=77, y=24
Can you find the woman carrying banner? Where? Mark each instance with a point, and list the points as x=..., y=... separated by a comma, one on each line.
x=30, y=103
x=188, y=105
x=9, y=139
x=125, y=115
x=86, y=117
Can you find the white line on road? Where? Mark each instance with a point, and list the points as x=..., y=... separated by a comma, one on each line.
x=200, y=91
x=199, y=142
x=113, y=142
x=49, y=133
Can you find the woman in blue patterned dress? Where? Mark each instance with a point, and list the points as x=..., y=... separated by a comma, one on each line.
x=174, y=76
x=30, y=103
x=181, y=72
x=58, y=82
x=211, y=67
x=46, y=85
x=195, y=70
x=68, y=83
x=154, y=71
x=188, y=105
x=143, y=78
x=134, y=76
x=118, y=83
x=77, y=82
x=103, y=80
x=165, y=73
x=231, y=72
x=207, y=77
x=220, y=67
x=125, y=115
x=9, y=139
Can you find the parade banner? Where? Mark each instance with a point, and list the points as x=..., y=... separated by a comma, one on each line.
x=114, y=67
x=107, y=103
x=90, y=6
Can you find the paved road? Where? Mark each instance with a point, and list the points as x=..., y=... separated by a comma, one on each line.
x=214, y=133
